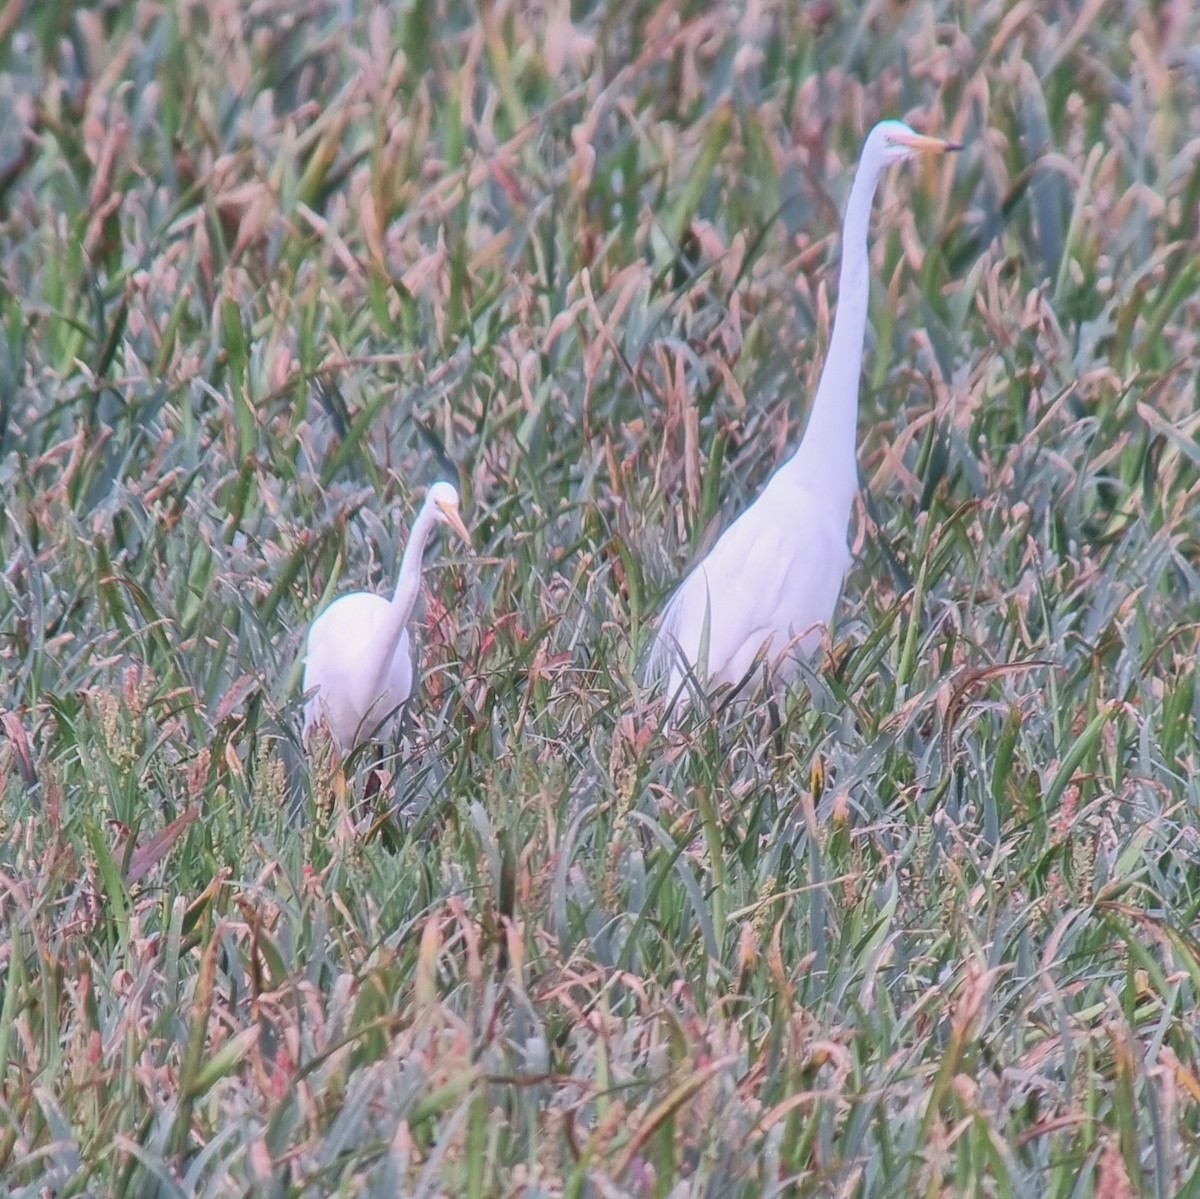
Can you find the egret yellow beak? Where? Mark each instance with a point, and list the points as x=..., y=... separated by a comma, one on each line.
x=925, y=145
x=455, y=521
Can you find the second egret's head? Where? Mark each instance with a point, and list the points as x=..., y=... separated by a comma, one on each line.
x=894, y=141
x=442, y=500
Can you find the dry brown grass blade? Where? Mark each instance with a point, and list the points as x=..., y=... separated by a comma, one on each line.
x=20, y=743
x=785, y=1107
x=967, y=682
x=664, y=1110
x=1112, y=1180
x=10, y=14
x=425, y=989
x=145, y=857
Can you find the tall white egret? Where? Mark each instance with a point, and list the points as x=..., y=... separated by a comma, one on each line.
x=771, y=582
x=358, y=662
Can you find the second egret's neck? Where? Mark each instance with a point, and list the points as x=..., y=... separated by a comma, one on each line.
x=405, y=596
x=825, y=458
x=409, y=580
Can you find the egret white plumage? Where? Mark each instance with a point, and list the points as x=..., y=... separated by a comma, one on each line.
x=771, y=582
x=358, y=662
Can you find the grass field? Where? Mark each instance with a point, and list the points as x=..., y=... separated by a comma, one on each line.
x=271, y=267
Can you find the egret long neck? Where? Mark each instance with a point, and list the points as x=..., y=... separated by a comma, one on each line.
x=403, y=599
x=825, y=458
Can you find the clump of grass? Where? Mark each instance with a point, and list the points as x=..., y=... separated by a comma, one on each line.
x=268, y=271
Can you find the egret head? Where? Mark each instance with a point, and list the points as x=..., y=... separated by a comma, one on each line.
x=442, y=501
x=894, y=141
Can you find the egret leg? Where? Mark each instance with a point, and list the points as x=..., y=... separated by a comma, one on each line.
x=379, y=803
x=374, y=782
x=506, y=903
x=773, y=712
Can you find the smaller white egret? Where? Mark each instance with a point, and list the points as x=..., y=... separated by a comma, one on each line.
x=771, y=582
x=358, y=663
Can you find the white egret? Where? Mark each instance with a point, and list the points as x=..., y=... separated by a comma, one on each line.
x=771, y=582
x=358, y=663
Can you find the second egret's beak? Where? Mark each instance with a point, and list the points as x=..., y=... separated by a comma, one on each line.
x=455, y=521
x=925, y=145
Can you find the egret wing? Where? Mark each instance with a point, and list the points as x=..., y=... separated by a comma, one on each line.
x=773, y=575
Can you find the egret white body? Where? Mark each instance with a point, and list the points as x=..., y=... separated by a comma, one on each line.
x=771, y=583
x=358, y=663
